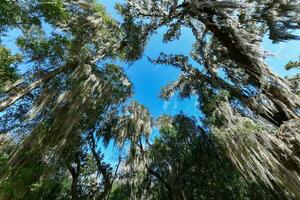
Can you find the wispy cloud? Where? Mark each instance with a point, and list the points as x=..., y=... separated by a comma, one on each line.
x=175, y=105
x=196, y=104
x=166, y=105
x=278, y=51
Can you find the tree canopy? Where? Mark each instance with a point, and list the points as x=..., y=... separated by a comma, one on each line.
x=74, y=100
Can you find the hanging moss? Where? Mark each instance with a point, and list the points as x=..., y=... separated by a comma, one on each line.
x=265, y=156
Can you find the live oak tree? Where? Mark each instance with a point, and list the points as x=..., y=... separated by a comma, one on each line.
x=232, y=81
x=60, y=107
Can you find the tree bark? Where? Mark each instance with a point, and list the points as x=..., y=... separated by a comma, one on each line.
x=171, y=192
x=102, y=169
x=113, y=179
x=75, y=177
x=20, y=94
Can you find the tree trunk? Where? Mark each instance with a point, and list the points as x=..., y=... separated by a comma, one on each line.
x=75, y=172
x=107, y=182
x=74, y=192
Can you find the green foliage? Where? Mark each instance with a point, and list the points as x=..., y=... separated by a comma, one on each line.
x=38, y=177
x=53, y=11
x=245, y=130
x=100, y=9
x=120, y=191
x=292, y=65
x=185, y=163
x=134, y=36
x=12, y=15
x=209, y=104
x=8, y=67
x=46, y=52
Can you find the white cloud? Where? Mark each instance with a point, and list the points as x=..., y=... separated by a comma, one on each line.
x=166, y=105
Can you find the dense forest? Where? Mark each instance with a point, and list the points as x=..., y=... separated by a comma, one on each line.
x=65, y=96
